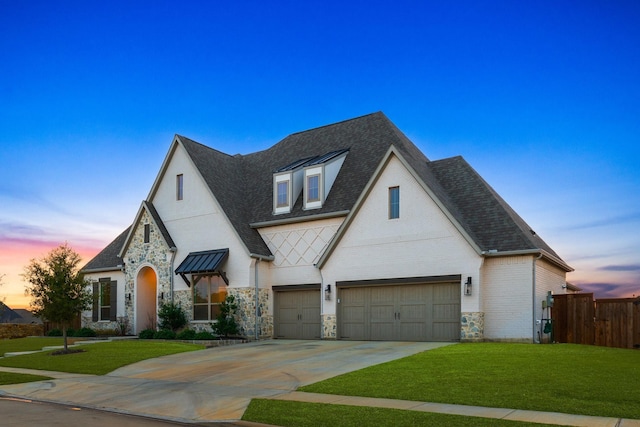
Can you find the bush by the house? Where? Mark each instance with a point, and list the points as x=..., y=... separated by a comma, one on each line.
x=54, y=333
x=172, y=316
x=187, y=334
x=226, y=323
x=146, y=334
x=164, y=334
x=204, y=335
x=85, y=332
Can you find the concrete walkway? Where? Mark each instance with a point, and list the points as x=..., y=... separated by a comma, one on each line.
x=217, y=384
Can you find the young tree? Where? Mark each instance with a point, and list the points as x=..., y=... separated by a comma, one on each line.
x=58, y=290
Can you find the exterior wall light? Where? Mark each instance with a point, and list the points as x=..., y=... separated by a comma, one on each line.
x=327, y=292
x=467, y=286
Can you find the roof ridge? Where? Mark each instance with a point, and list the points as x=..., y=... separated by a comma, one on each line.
x=338, y=123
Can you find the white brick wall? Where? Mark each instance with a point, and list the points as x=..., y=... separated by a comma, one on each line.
x=506, y=298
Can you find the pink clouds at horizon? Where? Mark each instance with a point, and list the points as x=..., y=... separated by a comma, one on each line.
x=15, y=255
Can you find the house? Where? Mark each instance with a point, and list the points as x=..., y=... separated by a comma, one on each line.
x=346, y=231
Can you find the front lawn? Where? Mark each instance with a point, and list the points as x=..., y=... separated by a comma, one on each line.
x=30, y=344
x=566, y=378
x=99, y=358
x=299, y=414
x=12, y=378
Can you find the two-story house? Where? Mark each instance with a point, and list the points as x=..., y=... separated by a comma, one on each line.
x=346, y=231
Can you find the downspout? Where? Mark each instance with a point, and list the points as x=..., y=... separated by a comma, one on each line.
x=321, y=301
x=258, y=258
x=173, y=251
x=257, y=298
x=535, y=326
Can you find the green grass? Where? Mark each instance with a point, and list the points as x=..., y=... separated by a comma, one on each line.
x=29, y=344
x=99, y=358
x=565, y=378
x=299, y=414
x=11, y=378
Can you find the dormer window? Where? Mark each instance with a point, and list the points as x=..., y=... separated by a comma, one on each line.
x=312, y=176
x=313, y=188
x=283, y=194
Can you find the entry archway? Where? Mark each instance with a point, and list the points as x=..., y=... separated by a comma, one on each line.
x=146, y=300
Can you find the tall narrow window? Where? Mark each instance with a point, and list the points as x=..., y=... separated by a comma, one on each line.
x=283, y=194
x=394, y=202
x=147, y=233
x=313, y=188
x=179, y=187
x=105, y=300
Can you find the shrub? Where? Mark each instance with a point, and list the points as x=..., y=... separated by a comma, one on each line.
x=226, y=324
x=204, y=335
x=54, y=333
x=146, y=334
x=71, y=332
x=123, y=325
x=165, y=334
x=85, y=332
x=187, y=334
x=172, y=316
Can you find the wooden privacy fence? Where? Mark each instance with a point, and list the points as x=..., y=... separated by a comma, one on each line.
x=613, y=322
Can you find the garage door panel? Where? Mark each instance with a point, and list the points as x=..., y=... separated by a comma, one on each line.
x=297, y=314
x=420, y=312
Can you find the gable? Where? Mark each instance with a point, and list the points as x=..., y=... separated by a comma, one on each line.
x=422, y=235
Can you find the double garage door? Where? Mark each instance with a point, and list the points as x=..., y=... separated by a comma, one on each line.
x=416, y=312
x=404, y=312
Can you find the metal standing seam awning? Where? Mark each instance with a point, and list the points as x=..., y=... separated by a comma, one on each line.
x=202, y=263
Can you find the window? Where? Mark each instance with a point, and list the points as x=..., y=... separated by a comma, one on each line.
x=394, y=202
x=283, y=194
x=179, y=187
x=208, y=293
x=313, y=188
x=104, y=299
x=147, y=233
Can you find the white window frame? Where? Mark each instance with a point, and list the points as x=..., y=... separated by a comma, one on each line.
x=316, y=171
x=394, y=205
x=283, y=179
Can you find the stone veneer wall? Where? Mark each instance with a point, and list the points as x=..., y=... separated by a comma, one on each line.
x=329, y=326
x=154, y=254
x=472, y=326
x=245, y=314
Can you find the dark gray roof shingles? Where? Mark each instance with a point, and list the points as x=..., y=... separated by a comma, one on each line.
x=108, y=258
x=242, y=184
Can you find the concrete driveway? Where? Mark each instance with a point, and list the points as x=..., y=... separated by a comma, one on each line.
x=215, y=384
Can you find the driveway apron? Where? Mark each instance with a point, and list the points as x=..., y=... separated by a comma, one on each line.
x=215, y=384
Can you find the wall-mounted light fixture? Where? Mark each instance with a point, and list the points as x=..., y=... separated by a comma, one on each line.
x=128, y=297
x=161, y=295
x=327, y=292
x=467, y=286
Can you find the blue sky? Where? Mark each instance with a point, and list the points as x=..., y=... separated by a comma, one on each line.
x=542, y=98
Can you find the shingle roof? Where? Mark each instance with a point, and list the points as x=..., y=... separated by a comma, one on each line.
x=108, y=258
x=242, y=184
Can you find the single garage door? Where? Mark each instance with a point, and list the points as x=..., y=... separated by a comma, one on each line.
x=297, y=314
x=415, y=312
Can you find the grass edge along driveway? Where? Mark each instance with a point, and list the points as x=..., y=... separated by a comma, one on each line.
x=99, y=358
x=566, y=378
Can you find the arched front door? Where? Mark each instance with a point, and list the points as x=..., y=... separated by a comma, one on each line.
x=146, y=299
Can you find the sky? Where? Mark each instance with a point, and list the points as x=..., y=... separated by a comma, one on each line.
x=541, y=98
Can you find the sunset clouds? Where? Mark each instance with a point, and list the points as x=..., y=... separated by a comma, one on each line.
x=540, y=98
